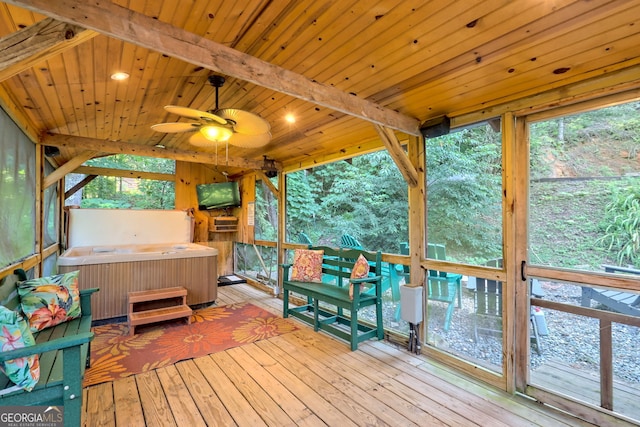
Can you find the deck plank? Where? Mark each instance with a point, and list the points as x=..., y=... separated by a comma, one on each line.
x=99, y=404
x=313, y=391
x=291, y=405
x=520, y=410
x=387, y=388
x=586, y=386
x=155, y=406
x=306, y=378
x=240, y=409
x=259, y=399
x=183, y=408
x=128, y=408
x=388, y=407
x=211, y=407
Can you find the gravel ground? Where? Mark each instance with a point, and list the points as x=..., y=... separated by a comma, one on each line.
x=572, y=339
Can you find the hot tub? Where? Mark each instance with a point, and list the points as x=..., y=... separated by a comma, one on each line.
x=119, y=269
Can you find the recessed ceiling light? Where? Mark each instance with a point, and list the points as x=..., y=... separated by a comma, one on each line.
x=119, y=76
x=290, y=118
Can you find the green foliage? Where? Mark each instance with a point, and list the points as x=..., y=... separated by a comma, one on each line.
x=123, y=193
x=464, y=190
x=564, y=218
x=365, y=197
x=99, y=203
x=266, y=212
x=622, y=232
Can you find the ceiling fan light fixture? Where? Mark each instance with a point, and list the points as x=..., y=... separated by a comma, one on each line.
x=216, y=133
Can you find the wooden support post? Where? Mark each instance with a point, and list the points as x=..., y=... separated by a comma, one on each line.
x=417, y=222
x=606, y=365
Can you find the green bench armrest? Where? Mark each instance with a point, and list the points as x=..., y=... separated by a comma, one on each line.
x=371, y=279
x=85, y=300
x=55, y=344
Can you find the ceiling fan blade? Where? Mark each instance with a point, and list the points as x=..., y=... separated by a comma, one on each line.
x=194, y=114
x=245, y=122
x=176, y=127
x=250, y=141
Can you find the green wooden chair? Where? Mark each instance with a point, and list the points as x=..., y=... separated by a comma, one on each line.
x=442, y=286
x=304, y=239
x=439, y=252
x=487, y=302
x=348, y=241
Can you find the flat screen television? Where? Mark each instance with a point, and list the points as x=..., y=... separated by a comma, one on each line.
x=218, y=195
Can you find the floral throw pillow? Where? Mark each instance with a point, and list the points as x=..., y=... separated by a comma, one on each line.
x=360, y=270
x=15, y=333
x=49, y=301
x=307, y=265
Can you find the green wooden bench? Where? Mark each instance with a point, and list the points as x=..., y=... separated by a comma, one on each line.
x=338, y=263
x=64, y=354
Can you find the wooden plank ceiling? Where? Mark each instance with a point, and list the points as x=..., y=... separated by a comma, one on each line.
x=413, y=60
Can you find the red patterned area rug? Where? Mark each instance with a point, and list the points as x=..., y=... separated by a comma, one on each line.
x=115, y=354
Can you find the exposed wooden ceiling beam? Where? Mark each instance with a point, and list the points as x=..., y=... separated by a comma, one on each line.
x=398, y=155
x=112, y=147
x=136, y=28
x=87, y=179
x=68, y=167
x=35, y=43
x=122, y=173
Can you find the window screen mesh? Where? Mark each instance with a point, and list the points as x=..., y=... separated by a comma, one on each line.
x=17, y=193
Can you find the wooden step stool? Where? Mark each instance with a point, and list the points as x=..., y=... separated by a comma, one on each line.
x=143, y=317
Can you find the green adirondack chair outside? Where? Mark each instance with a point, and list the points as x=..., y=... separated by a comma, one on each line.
x=391, y=273
x=304, y=239
x=442, y=286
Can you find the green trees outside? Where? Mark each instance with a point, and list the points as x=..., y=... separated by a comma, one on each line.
x=367, y=197
x=464, y=193
x=126, y=193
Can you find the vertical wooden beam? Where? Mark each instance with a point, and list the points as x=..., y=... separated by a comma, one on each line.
x=247, y=233
x=516, y=293
x=282, y=215
x=417, y=221
x=60, y=210
x=40, y=187
x=188, y=175
x=606, y=365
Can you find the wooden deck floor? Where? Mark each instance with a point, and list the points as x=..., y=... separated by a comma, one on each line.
x=585, y=386
x=307, y=379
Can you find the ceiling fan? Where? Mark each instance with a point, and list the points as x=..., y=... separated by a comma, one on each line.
x=228, y=125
